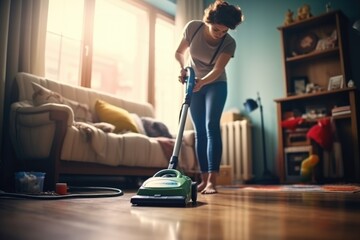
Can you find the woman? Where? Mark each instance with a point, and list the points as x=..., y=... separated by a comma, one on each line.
x=210, y=49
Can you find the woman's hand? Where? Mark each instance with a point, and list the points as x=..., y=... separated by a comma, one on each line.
x=182, y=76
x=198, y=85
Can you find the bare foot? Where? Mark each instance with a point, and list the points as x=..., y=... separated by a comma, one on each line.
x=201, y=186
x=209, y=189
x=204, y=179
x=211, y=184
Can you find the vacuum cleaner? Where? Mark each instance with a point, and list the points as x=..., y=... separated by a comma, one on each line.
x=169, y=187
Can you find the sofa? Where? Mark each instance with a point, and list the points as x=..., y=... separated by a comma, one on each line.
x=62, y=129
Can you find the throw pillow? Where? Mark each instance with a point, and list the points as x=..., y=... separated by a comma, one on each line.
x=119, y=117
x=155, y=128
x=139, y=123
x=43, y=95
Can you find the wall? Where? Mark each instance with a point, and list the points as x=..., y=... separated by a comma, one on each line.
x=168, y=6
x=257, y=66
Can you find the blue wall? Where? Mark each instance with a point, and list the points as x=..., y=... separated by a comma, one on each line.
x=168, y=6
x=257, y=66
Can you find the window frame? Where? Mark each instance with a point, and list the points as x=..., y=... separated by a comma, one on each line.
x=87, y=47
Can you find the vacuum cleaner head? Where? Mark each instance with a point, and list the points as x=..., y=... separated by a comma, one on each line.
x=168, y=187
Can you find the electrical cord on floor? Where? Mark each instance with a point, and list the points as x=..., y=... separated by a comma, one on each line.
x=114, y=192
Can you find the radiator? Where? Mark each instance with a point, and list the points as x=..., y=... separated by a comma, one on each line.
x=236, y=140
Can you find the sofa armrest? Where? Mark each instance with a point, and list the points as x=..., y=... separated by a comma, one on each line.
x=38, y=132
x=34, y=113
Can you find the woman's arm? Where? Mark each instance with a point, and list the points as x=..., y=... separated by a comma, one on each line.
x=219, y=67
x=180, y=57
x=180, y=52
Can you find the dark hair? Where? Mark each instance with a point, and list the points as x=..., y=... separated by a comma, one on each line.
x=220, y=12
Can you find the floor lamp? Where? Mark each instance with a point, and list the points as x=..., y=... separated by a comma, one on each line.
x=251, y=105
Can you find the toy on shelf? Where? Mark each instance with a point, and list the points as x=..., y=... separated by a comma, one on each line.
x=304, y=12
x=327, y=42
x=288, y=17
x=328, y=7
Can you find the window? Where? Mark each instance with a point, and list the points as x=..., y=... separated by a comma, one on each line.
x=168, y=89
x=125, y=48
x=121, y=49
x=64, y=41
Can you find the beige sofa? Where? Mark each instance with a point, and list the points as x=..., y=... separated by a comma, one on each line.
x=55, y=133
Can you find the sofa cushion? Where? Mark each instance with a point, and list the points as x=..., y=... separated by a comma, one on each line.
x=155, y=128
x=119, y=117
x=43, y=95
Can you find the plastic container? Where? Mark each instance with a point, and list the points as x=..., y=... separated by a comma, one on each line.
x=29, y=182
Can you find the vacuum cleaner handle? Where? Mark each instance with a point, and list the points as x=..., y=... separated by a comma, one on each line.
x=168, y=173
x=190, y=84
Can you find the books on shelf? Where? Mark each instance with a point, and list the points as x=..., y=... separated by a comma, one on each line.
x=338, y=111
x=341, y=113
x=341, y=108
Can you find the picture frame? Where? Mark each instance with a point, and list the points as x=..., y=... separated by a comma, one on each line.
x=299, y=85
x=336, y=82
x=293, y=159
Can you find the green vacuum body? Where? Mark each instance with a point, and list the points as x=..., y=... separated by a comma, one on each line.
x=168, y=187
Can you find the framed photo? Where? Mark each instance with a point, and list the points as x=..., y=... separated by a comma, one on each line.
x=293, y=159
x=336, y=82
x=299, y=85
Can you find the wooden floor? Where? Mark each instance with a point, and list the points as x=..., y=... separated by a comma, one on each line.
x=231, y=214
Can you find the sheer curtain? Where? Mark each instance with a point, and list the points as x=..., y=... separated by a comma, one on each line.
x=22, y=49
x=187, y=10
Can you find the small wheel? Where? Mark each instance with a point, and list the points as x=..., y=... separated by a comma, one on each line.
x=194, y=192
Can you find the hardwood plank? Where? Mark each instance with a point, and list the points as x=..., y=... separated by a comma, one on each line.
x=231, y=214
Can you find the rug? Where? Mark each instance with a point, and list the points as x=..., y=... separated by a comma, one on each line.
x=328, y=188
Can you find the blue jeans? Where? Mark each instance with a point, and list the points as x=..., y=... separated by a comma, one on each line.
x=206, y=108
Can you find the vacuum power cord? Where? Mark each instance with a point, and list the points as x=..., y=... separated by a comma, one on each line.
x=114, y=192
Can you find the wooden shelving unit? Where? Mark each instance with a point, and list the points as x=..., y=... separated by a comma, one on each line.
x=315, y=50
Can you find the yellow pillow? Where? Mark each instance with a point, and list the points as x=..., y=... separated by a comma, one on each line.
x=119, y=117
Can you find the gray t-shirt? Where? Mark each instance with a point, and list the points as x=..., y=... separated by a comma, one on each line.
x=201, y=52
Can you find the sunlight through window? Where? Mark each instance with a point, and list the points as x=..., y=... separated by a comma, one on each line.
x=167, y=87
x=63, y=41
x=107, y=45
x=120, y=57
